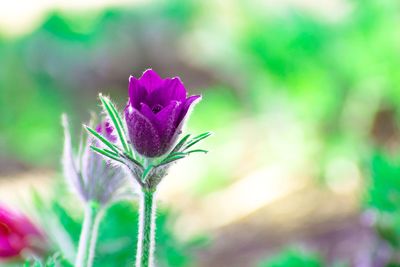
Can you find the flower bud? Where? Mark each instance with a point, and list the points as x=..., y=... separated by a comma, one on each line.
x=155, y=112
x=91, y=176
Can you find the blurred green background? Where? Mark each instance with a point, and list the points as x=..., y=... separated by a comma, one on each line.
x=303, y=97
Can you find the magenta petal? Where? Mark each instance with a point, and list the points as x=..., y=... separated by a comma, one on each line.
x=137, y=93
x=150, y=80
x=147, y=112
x=15, y=232
x=6, y=250
x=175, y=89
x=166, y=113
x=168, y=122
x=142, y=133
x=172, y=89
x=189, y=102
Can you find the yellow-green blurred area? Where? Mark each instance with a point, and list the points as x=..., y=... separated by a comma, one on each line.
x=298, y=93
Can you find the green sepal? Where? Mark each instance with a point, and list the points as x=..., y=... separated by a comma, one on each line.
x=173, y=155
x=196, y=139
x=176, y=154
x=130, y=158
x=180, y=143
x=111, y=152
x=117, y=121
x=106, y=153
x=197, y=151
x=102, y=139
x=179, y=153
x=170, y=160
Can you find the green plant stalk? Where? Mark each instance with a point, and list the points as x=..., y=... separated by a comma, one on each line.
x=88, y=238
x=145, y=246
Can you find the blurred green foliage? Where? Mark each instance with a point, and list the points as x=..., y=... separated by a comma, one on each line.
x=118, y=237
x=53, y=261
x=335, y=74
x=384, y=187
x=293, y=257
x=43, y=73
x=331, y=69
x=383, y=197
x=116, y=246
x=298, y=257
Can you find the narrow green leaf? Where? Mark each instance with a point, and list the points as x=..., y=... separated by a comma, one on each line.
x=177, y=154
x=122, y=127
x=203, y=135
x=197, y=151
x=196, y=139
x=172, y=155
x=105, y=153
x=133, y=160
x=111, y=152
x=170, y=159
x=181, y=143
x=101, y=138
x=117, y=121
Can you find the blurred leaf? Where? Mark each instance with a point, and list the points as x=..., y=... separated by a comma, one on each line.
x=384, y=188
x=54, y=261
x=383, y=196
x=116, y=245
x=292, y=258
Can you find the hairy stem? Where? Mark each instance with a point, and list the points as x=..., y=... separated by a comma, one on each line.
x=145, y=246
x=88, y=238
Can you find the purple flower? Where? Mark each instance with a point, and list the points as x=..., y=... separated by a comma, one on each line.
x=106, y=129
x=155, y=112
x=90, y=175
x=17, y=233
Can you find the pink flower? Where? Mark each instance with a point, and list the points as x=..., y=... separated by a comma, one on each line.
x=17, y=233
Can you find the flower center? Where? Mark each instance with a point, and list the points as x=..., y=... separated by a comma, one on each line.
x=156, y=108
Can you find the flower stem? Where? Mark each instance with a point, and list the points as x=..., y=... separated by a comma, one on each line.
x=145, y=246
x=88, y=238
